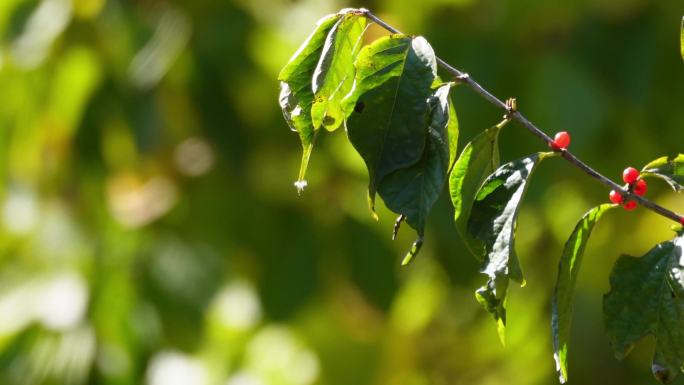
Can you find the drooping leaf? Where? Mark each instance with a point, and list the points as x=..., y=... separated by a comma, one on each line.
x=334, y=72
x=412, y=191
x=492, y=222
x=647, y=297
x=478, y=159
x=671, y=170
x=296, y=96
x=564, y=292
x=389, y=104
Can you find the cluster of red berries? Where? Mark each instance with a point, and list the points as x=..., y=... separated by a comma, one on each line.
x=630, y=175
x=635, y=185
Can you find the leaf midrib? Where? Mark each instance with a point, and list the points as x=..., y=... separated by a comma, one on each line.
x=394, y=104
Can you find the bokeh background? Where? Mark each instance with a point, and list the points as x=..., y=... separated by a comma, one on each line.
x=150, y=232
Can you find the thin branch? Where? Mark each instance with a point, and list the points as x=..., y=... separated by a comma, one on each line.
x=463, y=77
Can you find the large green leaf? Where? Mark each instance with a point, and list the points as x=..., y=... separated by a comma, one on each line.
x=478, y=159
x=412, y=191
x=296, y=96
x=334, y=73
x=389, y=103
x=492, y=222
x=671, y=170
x=564, y=292
x=647, y=297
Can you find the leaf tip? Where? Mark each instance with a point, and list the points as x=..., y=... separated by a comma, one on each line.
x=561, y=367
x=371, y=207
x=501, y=331
x=300, y=185
x=407, y=259
x=662, y=374
x=415, y=248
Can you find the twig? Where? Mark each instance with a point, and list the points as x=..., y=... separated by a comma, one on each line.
x=513, y=113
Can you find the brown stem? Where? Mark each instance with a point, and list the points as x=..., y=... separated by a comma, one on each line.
x=463, y=77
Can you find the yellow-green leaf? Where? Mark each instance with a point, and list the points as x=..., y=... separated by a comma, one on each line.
x=564, y=291
x=296, y=95
x=671, y=170
x=478, y=159
x=334, y=72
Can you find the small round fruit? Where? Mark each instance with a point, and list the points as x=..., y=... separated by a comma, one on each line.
x=615, y=197
x=630, y=175
x=561, y=140
x=681, y=220
x=640, y=187
x=630, y=205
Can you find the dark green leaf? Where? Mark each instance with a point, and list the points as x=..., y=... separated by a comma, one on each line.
x=296, y=96
x=334, y=73
x=478, y=159
x=647, y=297
x=564, y=292
x=670, y=170
x=492, y=222
x=389, y=100
x=412, y=191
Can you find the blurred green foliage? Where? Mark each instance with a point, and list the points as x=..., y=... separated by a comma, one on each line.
x=150, y=232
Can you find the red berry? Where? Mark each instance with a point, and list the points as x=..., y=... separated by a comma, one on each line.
x=630, y=205
x=615, y=197
x=630, y=175
x=640, y=187
x=681, y=220
x=561, y=140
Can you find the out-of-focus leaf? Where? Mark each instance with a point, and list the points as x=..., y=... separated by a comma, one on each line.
x=681, y=38
x=334, y=74
x=478, y=159
x=564, y=292
x=412, y=191
x=671, y=170
x=492, y=222
x=389, y=103
x=296, y=95
x=647, y=297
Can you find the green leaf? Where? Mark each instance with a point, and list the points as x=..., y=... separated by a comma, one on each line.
x=681, y=38
x=389, y=100
x=334, y=74
x=452, y=131
x=564, y=292
x=412, y=191
x=647, y=297
x=492, y=222
x=669, y=170
x=478, y=159
x=296, y=96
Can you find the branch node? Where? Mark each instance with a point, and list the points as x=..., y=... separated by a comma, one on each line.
x=462, y=78
x=511, y=108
